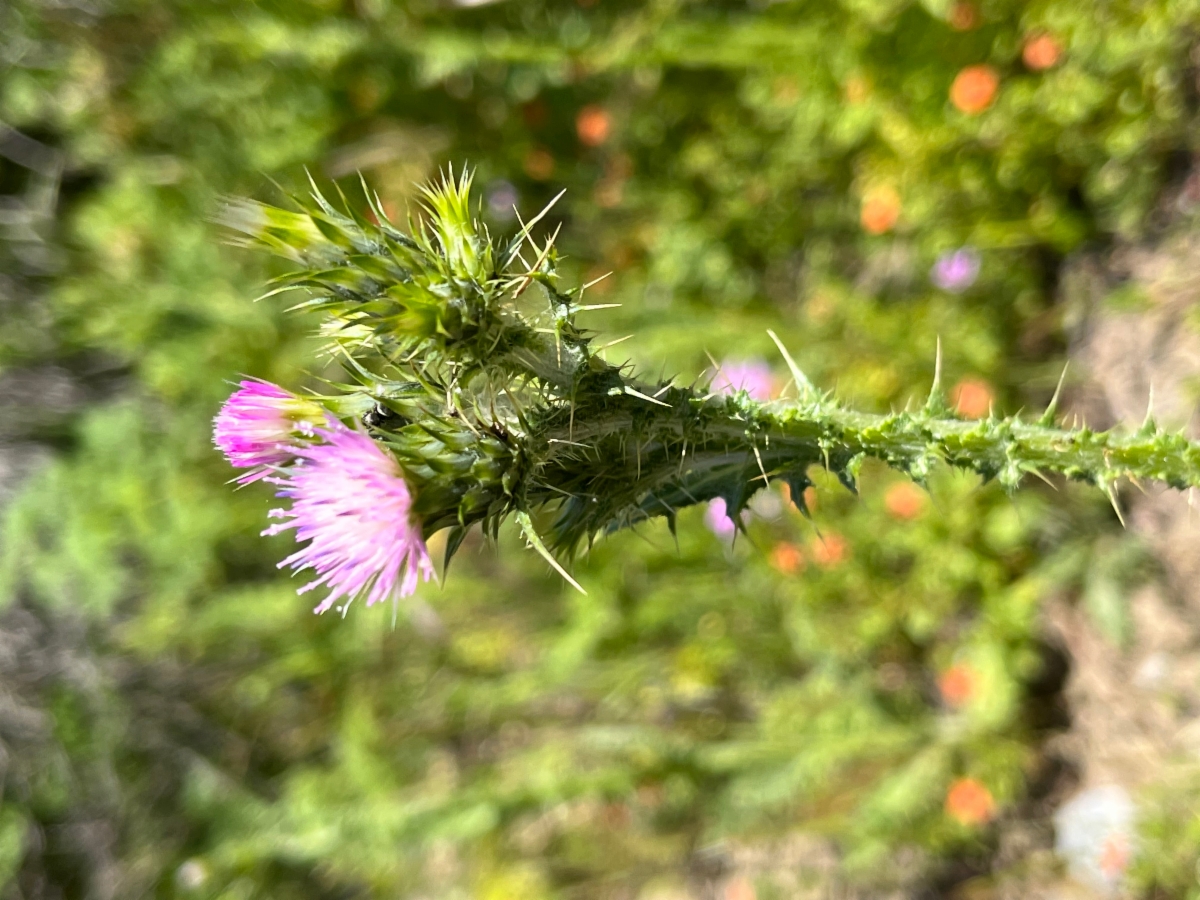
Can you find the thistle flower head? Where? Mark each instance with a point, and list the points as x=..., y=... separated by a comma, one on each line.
x=752, y=376
x=353, y=506
x=718, y=520
x=258, y=426
x=956, y=271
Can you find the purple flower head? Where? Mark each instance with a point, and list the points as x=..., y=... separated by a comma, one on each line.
x=351, y=503
x=752, y=376
x=257, y=427
x=956, y=271
x=716, y=517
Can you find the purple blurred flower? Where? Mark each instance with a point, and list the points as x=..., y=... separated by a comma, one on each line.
x=716, y=517
x=957, y=270
x=502, y=199
x=257, y=427
x=752, y=376
x=351, y=503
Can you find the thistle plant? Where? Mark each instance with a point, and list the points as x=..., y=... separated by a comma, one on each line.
x=472, y=395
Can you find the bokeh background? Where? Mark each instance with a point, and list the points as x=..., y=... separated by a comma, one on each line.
x=953, y=693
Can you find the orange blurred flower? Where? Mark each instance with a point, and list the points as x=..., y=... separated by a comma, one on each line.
x=964, y=16
x=539, y=164
x=972, y=398
x=593, y=125
x=1041, y=52
x=740, y=888
x=974, y=89
x=787, y=558
x=857, y=89
x=830, y=550
x=809, y=496
x=880, y=210
x=957, y=685
x=904, y=500
x=969, y=803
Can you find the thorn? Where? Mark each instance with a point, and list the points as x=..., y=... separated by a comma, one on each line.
x=1039, y=474
x=716, y=365
x=803, y=385
x=595, y=281
x=1047, y=419
x=758, y=456
x=1112, y=498
x=541, y=259
x=316, y=191
x=936, y=404
x=613, y=343
x=279, y=290
x=526, y=227
x=646, y=397
x=535, y=541
x=1149, y=426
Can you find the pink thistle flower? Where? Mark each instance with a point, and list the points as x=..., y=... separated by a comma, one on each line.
x=956, y=271
x=752, y=376
x=717, y=518
x=257, y=427
x=352, y=504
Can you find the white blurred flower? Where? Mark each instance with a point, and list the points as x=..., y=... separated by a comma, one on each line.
x=191, y=875
x=1094, y=834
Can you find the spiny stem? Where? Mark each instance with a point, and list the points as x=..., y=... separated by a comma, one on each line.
x=494, y=411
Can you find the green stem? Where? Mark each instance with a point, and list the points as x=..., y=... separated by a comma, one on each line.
x=634, y=458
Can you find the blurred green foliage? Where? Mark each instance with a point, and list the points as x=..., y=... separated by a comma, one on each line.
x=504, y=737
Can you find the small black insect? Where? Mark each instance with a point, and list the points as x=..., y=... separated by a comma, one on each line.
x=382, y=417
